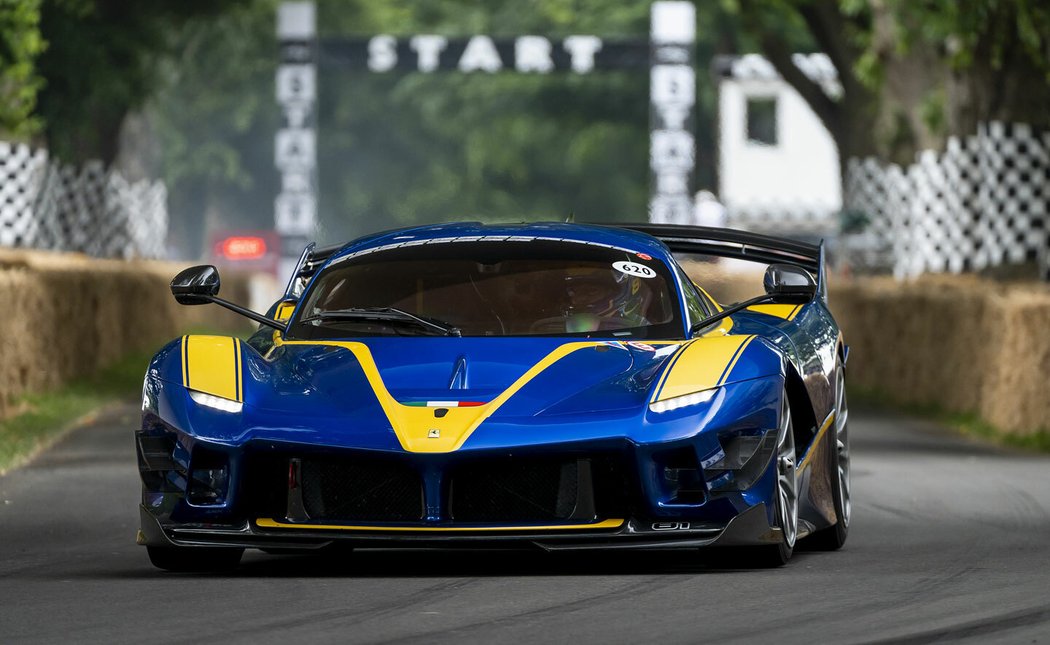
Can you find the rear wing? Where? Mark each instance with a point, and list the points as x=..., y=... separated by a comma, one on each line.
x=312, y=259
x=740, y=245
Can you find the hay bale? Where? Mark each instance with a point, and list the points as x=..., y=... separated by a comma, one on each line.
x=1016, y=396
x=725, y=280
x=960, y=343
x=957, y=342
x=67, y=315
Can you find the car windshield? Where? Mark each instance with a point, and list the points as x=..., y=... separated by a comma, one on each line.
x=501, y=288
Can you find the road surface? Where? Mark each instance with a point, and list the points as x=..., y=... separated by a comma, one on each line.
x=950, y=541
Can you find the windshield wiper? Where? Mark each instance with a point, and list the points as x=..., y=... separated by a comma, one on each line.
x=385, y=314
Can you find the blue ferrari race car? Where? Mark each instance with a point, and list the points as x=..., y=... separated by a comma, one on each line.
x=553, y=385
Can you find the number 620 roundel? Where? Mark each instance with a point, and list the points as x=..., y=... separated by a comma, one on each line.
x=635, y=269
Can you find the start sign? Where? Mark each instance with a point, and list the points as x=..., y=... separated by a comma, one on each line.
x=668, y=54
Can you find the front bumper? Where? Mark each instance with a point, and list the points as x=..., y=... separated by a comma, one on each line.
x=673, y=489
x=751, y=527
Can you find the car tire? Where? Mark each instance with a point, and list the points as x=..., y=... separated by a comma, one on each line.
x=194, y=560
x=833, y=537
x=785, y=496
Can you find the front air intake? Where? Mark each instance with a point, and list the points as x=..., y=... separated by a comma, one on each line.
x=518, y=491
x=682, y=479
x=359, y=490
x=209, y=480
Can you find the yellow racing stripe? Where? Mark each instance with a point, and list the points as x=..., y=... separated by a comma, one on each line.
x=268, y=523
x=212, y=364
x=816, y=440
x=701, y=365
x=185, y=363
x=787, y=312
x=237, y=368
x=732, y=363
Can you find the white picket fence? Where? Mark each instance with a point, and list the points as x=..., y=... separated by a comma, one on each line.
x=981, y=203
x=45, y=204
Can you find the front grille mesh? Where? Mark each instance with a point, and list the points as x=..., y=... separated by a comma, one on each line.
x=514, y=491
x=351, y=488
x=361, y=491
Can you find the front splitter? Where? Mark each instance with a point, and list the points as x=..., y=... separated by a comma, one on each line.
x=749, y=528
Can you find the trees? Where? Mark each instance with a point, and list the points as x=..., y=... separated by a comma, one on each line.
x=912, y=73
x=398, y=149
x=101, y=63
x=20, y=45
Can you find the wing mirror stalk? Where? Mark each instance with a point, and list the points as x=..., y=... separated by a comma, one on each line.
x=784, y=283
x=199, y=285
x=729, y=311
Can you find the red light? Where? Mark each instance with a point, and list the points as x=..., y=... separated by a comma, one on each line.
x=293, y=474
x=243, y=248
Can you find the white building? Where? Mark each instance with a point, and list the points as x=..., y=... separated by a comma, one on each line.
x=778, y=165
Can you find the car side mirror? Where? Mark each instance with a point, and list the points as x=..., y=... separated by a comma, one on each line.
x=199, y=285
x=789, y=282
x=196, y=285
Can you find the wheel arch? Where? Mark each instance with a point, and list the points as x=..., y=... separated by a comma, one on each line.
x=803, y=417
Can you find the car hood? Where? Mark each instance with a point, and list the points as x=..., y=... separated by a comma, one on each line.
x=430, y=394
x=531, y=376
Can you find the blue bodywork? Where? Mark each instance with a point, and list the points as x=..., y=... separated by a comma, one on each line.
x=593, y=405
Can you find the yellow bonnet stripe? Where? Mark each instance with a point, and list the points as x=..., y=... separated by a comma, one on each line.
x=212, y=364
x=703, y=364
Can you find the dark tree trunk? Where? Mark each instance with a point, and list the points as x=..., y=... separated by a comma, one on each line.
x=850, y=118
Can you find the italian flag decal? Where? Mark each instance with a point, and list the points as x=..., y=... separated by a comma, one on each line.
x=444, y=404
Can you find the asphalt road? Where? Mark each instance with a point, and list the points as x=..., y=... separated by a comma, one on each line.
x=950, y=541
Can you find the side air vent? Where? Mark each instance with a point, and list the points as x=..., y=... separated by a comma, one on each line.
x=682, y=479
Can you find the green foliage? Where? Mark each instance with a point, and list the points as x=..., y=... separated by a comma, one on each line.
x=47, y=415
x=979, y=27
x=399, y=149
x=101, y=62
x=402, y=149
x=20, y=45
x=932, y=110
x=215, y=117
x=410, y=148
x=752, y=20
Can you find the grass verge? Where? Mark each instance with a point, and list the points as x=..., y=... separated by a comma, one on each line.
x=965, y=423
x=46, y=416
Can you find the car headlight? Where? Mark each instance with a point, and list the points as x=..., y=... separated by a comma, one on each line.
x=216, y=402
x=677, y=402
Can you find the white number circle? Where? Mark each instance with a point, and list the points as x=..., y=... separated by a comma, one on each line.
x=635, y=269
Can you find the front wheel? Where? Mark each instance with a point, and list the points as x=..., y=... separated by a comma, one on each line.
x=785, y=496
x=194, y=560
x=833, y=537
